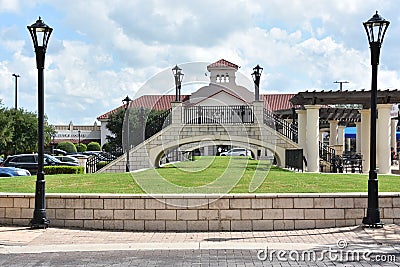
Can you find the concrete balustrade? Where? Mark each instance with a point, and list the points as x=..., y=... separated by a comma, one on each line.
x=234, y=212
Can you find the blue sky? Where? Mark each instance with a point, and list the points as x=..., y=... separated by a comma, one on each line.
x=100, y=51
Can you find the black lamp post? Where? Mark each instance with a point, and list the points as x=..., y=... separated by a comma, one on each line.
x=79, y=139
x=178, y=82
x=126, y=102
x=16, y=87
x=376, y=28
x=257, y=70
x=40, y=34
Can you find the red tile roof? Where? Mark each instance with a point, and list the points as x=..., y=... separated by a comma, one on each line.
x=163, y=102
x=157, y=102
x=277, y=101
x=223, y=63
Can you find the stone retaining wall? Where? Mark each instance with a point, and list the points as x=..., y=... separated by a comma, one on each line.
x=235, y=212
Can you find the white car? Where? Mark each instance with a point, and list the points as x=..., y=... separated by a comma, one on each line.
x=67, y=159
x=237, y=152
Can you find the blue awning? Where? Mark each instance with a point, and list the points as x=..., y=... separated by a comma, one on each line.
x=350, y=132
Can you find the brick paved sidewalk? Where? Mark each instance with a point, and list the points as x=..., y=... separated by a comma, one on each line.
x=25, y=240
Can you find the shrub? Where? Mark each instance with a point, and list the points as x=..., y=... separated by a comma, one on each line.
x=81, y=147
x=67, y=146
x=48, y=170
x=107, y=147
x=93, y=146
x=101, y=164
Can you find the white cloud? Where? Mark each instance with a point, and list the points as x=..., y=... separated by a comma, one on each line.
x=101, y=51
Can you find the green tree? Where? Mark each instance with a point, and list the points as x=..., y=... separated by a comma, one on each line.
x=67, y=146
x=93, y=146
x=114, y=125
x=143, y=123
x=6, y=133
x=19, y=130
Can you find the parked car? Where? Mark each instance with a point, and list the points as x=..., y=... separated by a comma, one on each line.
x=57, y=151
x=30, y=162
x=237, y=152
x=67, y=159
x=79, y=156
x=11, y=171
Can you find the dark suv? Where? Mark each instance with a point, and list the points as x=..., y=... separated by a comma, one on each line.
x=30, y=162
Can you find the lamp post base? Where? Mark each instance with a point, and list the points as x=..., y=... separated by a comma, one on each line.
x=372, y=220
x=39, y=220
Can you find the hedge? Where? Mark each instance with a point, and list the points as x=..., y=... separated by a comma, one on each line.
x=64, y=170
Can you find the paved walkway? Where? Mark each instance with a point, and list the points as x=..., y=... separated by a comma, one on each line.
x=22, y=240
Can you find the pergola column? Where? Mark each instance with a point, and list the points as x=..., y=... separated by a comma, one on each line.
x=383, y=135
x=301, y=129
x=312, y=135
x=365, y=135
x=358, y=137
x=393, y=132
x=341, y=136
x=333, y=132
x=302, y=124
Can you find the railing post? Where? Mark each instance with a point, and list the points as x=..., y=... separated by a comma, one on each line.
x=176, y=113
x=258, y=111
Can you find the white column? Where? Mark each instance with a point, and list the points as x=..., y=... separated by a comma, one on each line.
x=383, y=135
x=341, y=137
x=302, y=127
x=393, y=132
x=321, y=135
x=358, y=137
x=333, y=132
x=348, y=144
x=312, y=135
x=365, y=134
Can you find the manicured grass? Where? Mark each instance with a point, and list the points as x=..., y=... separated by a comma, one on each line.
x=205, y=175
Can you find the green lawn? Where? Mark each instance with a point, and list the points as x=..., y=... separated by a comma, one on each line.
x=205, y=175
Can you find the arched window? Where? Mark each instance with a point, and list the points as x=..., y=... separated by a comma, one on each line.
x=218, y=80
x=227, y=78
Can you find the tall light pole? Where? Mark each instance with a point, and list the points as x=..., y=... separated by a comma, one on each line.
x=40, y=34
x=341, y=84
x=178, y=82
x=257, y=70
x=79, y=139
x=126, y=102
x=16, y=87
x=376, y=28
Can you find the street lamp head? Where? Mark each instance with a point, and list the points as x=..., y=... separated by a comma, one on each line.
x=177, y=73
x=40, y=34
x=16, y=75
x=257, y=70
x=376, y=28
x=126, y=101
